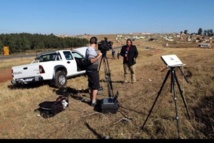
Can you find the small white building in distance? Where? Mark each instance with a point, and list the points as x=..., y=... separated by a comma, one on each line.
x=204, y=45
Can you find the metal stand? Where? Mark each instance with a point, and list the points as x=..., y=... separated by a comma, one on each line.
x=174, y=80
x=104, y=60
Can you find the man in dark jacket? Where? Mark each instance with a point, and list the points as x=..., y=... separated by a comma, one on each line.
x=129, y=53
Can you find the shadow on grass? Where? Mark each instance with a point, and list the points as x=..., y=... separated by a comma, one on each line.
x=204, y=114
x=99, y=136
x=73, y=93
x=103, y=80
x=93, y=131
x=78, y=95
x=27, y=86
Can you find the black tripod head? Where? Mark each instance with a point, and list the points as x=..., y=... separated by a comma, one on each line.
x=182, y=72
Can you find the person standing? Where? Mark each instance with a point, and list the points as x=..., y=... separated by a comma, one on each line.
x=113, y=52
x=129, y=53
x=118, y=55
x=92, y=62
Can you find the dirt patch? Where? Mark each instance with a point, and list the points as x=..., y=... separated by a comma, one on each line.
x=5, y=75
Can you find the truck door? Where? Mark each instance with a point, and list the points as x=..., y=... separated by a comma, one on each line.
x=70, y=63
x=79, y=60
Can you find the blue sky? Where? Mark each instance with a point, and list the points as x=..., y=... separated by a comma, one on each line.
x=75, y=17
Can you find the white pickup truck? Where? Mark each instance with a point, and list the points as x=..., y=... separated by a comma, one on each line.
x=54, y=66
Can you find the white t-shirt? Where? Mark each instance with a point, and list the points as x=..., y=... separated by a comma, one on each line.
x=91, y=53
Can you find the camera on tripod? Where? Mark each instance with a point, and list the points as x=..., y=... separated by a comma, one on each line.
x=110, y=104
x=105, y=45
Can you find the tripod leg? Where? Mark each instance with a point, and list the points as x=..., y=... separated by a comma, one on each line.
x=181, y=93
x=106, y=70
x=159, y=92
x=184, y=75
x=171, y=87
x=175, y=99
x=109, y=79
x=100, y=63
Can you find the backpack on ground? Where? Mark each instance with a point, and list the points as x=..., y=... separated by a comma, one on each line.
x=49, y=109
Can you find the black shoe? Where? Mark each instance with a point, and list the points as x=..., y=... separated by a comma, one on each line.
x=93, y=104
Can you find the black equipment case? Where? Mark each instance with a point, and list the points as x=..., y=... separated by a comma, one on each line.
x=109, y=105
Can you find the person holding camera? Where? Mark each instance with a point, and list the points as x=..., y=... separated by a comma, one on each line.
x=129, y=53
x=92, y=62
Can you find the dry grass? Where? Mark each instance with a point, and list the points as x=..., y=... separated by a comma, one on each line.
x=18, y=119
x=8, y=63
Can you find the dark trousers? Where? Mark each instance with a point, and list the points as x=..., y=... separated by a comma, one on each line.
x=93, y=80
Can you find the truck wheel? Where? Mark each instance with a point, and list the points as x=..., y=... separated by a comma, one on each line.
x=60, y=79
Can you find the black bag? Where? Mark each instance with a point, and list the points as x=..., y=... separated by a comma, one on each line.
x=51, y=108
x=109, y=105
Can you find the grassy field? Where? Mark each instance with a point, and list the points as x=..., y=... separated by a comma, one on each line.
x=81, y=121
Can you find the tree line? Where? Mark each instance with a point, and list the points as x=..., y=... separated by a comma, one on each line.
x=201, y=32
x=208, y=32
x=25, y=41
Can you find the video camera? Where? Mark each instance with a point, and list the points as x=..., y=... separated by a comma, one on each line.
x=105, y=45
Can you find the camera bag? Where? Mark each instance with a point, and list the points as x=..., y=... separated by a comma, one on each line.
x=51, y=108
x=109, y=105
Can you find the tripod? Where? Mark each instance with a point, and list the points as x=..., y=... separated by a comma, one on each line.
x=173, y=81
x=104, y=60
